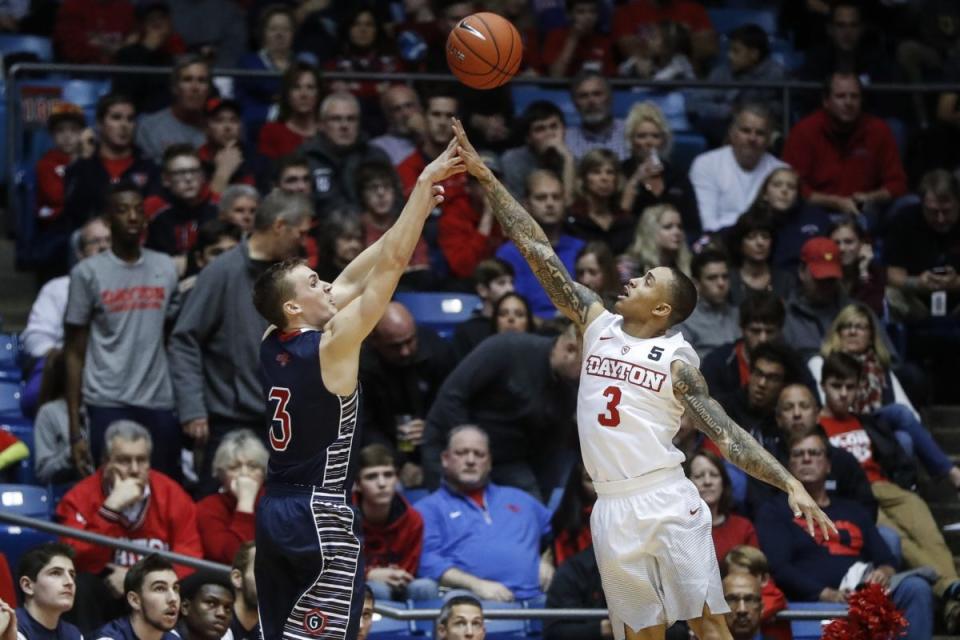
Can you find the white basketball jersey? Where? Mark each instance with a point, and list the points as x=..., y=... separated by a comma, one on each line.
x=627, y=414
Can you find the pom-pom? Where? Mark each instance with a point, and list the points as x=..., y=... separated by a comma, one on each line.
x=871, y=616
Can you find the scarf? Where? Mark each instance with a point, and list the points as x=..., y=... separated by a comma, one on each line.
x=872, y=382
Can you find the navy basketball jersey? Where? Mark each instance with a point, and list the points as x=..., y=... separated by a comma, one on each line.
x=312, y=432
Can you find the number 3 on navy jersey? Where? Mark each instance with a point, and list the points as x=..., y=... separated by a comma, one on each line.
x=279, y=441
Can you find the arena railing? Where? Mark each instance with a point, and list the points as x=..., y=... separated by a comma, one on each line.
x=390, y=612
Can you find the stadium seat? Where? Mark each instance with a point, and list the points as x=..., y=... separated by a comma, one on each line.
x=9, y=351
x=10, y=391
x=524, y=94
x=42, y=48
x=15, y=541
x=25, y=500
x=439, y=311
x=686, y=147
x=22, y=429
x=726, y=20
x=384, y=628
x=810, y=629
x=673, y=104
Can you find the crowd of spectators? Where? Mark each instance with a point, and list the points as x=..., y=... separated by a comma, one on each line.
x=825, y=249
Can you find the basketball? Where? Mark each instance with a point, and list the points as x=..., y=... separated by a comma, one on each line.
x=484, y=51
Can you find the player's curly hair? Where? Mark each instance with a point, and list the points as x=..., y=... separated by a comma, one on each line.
x=272, y=289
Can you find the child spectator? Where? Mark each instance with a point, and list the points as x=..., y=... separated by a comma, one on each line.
x=225, y=519
x=492, y=279
x=580, y=47
x=666, y=55
x=297, y=117
x=65, y=123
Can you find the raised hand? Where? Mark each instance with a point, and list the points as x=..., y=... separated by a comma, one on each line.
x=471, y=159
x=447, y=164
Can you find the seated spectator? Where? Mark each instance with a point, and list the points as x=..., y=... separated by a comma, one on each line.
x=750, y=243
x=728, y=179
x=468, y=232
x=366, y=614
x=151, y=589
x=339, y=240
x=847, y=160
x=714, y=321
x=747, y=60
x=595, y=213
x=44, y=330
x=153, y=44
x=650, y=177
x=292, y=175
x=366, y=47
x=117, y=308
x=65, y=122
x=246, y=615
x=225, y=519
x=126, y=499
x=707, y=471
x=214, y=237
x=596, y=269
x=401, y=110
x=727, y=367
x=52, y=459
x=631, y=23
x=891, y=476
x=813, y=305
x=743, y=596
x=337, y=150
x=518, y=388
x=571, y=521
x=494, y=549
x=512, y=314
x=238, y=206
x=794, y=222
x=297, y=118
x=747, y=560
x=567, y=51
x=545, y=203
x=225, y=155
x=812, y=568
x=659, y=240
x=667, y=54
x=91, y=31
x=401, y=369
x=392, y=530
x=492, y=279
x=206, y=606
x=183, y=121
x=879, y=393
x=864, y=278
x=48, y=582
x=461, y=618
x=593, y=98
x=488, y=114
x=274, y=35
x=176, y=216
x=221, y=42
x=441, y=107
x=544, y=129
x=846, y=47
x=115, y=159
x=576, y=585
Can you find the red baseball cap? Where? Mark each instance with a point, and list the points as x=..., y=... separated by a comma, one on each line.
x=822, y=257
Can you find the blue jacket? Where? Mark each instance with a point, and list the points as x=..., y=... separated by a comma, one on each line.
x=30, y=629
x=121, y=629
x=499, y=543
x=524, y=280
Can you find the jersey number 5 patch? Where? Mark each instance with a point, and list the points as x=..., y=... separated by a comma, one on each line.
x=281, y=418
x=610, y=417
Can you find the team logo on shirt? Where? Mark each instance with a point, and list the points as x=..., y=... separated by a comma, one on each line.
x=625, y=350
x=283, y=358
x=314, y=622
x=620, y=370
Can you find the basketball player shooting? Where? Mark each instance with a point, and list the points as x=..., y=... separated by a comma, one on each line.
x=308, y=567
x=651, y=530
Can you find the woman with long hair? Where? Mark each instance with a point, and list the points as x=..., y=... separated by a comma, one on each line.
x=339, y=240
x=750, y=245
x=596, y=212
x=708, y=473
x=512, y=314
x=864, y=278
x=650, y=176
x=880, y=394
x=596, y=269
x=659, y=241
x=297, y=117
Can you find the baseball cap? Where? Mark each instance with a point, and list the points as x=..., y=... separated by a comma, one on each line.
x=214, y=105
x=822, y=257
x=65, y=112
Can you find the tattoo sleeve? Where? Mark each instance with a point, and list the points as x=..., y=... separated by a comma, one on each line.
x=572, y=299
x=738, y=446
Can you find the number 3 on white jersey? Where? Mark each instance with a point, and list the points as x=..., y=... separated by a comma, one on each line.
x=280, y=441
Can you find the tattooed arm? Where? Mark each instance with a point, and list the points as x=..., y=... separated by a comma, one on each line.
x=739, y=447
x=577, y=302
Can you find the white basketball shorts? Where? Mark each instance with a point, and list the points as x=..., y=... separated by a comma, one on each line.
x=652, y=539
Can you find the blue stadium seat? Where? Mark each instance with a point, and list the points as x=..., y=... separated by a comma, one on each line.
x=686, y=147
x=439, y=311
x=15, y=541
x=25, y=500
x=9, y=351
x=38, y=46
x=726, y=20
x=524, y=94
x=10, y=391
x=673, y=104
x=22, y=429
x=384, y=628
x=810, y=629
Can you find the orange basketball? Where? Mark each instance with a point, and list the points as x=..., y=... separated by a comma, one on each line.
x=484, y=50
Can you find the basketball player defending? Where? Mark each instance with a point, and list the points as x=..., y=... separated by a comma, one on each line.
x=308, y=568
x=651, y=530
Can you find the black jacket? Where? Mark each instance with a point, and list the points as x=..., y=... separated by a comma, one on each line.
x=87, y=183
x=576, y=585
